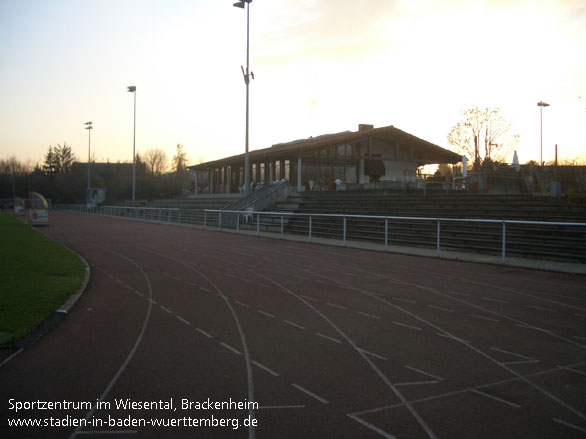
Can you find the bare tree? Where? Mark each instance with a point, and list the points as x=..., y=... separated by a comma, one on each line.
x=483, y=128
x=156, y=161
x=180, y=162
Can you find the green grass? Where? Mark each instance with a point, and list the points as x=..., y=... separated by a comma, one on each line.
x=37, y=276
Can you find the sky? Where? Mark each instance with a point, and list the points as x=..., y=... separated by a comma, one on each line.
x=320, y=66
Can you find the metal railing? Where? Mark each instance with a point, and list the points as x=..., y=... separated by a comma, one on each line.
x=550, y=240
x=559, y=239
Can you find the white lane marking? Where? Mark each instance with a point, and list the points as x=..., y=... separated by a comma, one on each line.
x=520, y=362
x=294, y=324
x=313, y=395
x=567, y=424
x=183, y=320
x=128, y=286
x=166, y=309
x=512, y=353
x=408, y=326
x=372, y=427
x=263, y=285
x=154, y=302
x=579, y=338
x=424, y=373
x=417, y=383
x=494, y=300
x=328, y=338
x=572, y=370
x=540, y=308
x=461, y=340
x=404, y=300
x=229, y=275
x=458, y=294
x=483, y=318
x=246, y=279
x=230, y=348
x=242, y=304
x=369, y=315
x=176, y=278
x=11, y=357
x=139, y=293
x=205, y=289
x=132, y=350
x=496, y=398
x=301, y=406
x=336, y=306
x=265, y=368
x=208, y=335
x=308, y=298
x=265, y=313
x=191, y=284
x=372, y=354
x=440, y=308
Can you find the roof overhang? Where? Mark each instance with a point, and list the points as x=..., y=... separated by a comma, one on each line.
x=429, y=152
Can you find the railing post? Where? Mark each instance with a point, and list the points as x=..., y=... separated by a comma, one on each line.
x=504, y=249
x=386, y=233
x=438, y=237
x=281, y=225
x=220, y=220
x=204, y=219
x=310, y=227
x=238, y=221
x=344, y=229
x=258, y=223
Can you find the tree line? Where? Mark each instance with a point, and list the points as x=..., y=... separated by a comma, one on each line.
x=63, y=179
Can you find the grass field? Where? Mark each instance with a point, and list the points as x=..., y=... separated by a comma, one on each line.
x=37, y=275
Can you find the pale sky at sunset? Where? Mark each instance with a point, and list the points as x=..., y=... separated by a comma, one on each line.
x=321, y=66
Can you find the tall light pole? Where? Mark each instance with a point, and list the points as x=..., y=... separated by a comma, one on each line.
x=541, y=104
x=247, y=75
x=132, y=89
x=89, y=127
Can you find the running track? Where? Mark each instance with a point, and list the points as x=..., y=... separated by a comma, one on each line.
x=331, y=342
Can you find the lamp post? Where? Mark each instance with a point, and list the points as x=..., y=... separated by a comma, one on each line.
x=247, y=75
x=89, y=127
x=132, y=89
x=541, y=104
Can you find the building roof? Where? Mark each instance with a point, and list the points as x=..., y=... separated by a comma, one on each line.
x=429, y=153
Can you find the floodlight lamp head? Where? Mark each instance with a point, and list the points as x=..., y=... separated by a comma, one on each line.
x=239, y=5
x=542, y=104
x=131, y=88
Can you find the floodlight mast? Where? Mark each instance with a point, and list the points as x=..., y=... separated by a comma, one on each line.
x=132, y=89
x=541, y=104
x=89, y=127
x=245, y=4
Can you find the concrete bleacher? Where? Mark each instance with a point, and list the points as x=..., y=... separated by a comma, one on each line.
x=522, y=239
x=191, y=207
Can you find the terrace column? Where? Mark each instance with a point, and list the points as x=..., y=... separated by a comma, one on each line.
x=270, y=172
x=211, y=174
x=195, y=179
x=299, y=185
x=228, y=178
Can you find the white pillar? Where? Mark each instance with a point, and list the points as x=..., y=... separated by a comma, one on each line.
x=195, y=179
x=299, y=186
x=211, y=172
x=464, y=166
x=271, y=173
x=228, y=178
